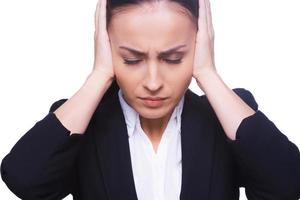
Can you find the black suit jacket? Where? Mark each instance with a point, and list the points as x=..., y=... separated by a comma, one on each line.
x=47, y=163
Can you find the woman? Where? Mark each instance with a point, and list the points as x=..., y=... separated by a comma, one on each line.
x=135, y=131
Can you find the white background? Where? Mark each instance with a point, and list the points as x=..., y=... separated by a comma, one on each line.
x=46, y=53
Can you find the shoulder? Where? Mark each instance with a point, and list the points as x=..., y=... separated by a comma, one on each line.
x=57, y=104
x=247, y=97
x=202, y=100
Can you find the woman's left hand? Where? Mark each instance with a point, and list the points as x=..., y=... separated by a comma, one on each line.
x=204, y=49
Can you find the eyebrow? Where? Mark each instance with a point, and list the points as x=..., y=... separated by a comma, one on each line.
x=161, y=54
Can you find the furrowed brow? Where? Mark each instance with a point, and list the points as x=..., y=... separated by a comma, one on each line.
x=161, y=54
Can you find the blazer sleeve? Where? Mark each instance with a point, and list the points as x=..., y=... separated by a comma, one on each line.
x=268, y=164
x=41, y=164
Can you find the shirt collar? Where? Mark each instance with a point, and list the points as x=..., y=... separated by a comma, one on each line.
x=131, y=115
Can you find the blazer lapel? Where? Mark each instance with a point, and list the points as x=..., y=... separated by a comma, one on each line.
x=113, y=151
x=197, y=143
x=197, y=139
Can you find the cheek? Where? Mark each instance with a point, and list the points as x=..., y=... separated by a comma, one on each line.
x=180, y=76
x=123, y=79
x=182, y=71
x=180, y=80
x=129, y=75
x=127, y=78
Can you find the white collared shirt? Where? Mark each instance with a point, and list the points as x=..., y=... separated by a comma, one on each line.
x=157, y=176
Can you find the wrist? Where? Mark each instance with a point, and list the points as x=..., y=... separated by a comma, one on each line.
x=204, y=76
x=97, y=80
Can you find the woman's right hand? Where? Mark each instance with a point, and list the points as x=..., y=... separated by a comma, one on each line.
x=103, y=56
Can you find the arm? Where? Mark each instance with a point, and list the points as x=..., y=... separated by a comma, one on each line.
x=40, y=165
x=268, y=164
x=75, y=114
x=219, y=94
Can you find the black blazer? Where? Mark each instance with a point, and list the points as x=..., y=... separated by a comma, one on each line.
x=47, y=163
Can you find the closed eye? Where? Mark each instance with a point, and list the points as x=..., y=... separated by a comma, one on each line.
x=177, y=61
x=133, y=62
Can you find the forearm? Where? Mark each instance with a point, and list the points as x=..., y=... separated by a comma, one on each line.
x=77, y=111
x=228, y=106
x=40, y=165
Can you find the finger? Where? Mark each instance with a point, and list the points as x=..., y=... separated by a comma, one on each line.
x=102, y=19
x=209, y=19
x=202, y=22
x=97, y=18
x=210, y=26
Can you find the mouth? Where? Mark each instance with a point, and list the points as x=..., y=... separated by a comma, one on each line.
x=153, y=102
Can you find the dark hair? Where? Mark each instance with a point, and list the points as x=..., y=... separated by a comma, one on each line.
x=189, y=5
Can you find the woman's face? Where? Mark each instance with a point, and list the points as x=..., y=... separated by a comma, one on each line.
x=140, y=37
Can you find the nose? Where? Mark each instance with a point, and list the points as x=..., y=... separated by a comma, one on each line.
x=153, y=81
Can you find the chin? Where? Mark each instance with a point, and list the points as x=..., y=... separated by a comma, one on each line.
x=151, y=116
x=153, y=113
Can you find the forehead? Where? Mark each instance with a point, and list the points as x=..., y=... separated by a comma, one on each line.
x=159, y=23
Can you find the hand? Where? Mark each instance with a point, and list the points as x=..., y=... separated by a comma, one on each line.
x=103, y=57
x=204, y=50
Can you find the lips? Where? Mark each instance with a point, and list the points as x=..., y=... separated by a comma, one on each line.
x=153, y=102
x=154, y=98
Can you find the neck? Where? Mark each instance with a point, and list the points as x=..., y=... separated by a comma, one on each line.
x=154, y=128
